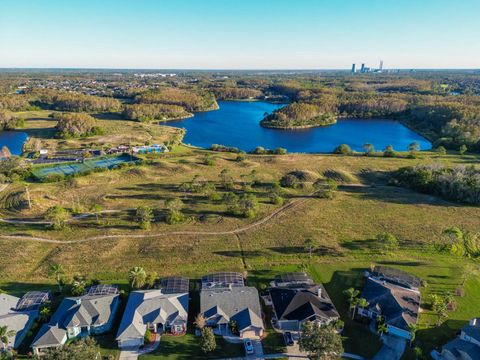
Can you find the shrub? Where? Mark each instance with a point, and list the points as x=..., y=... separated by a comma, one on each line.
x=343, y=149
x=389, y=152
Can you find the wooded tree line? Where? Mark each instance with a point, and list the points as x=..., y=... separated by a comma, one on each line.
x=14, y=102
x=232, y=93
x=190, y=100
x=151, y=112
x=459, y=183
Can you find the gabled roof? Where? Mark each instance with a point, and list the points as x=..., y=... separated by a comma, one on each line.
x=18, y=321
x=87, y=310
x=247, y=318
x=473, y=329
x=457, y=345
x=49, y=336
x=397, y=304
x=151, y=306
x=302, y=303
x=239, y=303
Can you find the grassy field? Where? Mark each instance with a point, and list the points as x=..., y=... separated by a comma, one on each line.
x=40, y=126
x=344, y=229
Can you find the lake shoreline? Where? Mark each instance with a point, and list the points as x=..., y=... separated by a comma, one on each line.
x=237, y=124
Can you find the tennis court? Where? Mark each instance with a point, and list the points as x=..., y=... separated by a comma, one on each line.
x=87, y=165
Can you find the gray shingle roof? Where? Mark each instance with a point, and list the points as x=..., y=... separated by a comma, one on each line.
x=398, y=305
x=87, y=310
x=303, y=303
x=241, y=304
x=18, y=321
x=151, y=306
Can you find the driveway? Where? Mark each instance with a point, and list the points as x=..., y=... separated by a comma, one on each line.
x=131, y=354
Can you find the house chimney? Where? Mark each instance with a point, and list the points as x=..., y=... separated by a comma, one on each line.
x=319, y=292
x=473, y=322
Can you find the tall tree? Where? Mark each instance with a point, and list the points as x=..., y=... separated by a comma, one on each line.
x=207, y=340
x=351, y=294
x=57, y=270
x=320, y=342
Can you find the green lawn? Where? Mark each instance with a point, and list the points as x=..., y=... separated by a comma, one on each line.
x=188, y=347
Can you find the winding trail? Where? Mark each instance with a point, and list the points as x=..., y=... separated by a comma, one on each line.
x=290, y=205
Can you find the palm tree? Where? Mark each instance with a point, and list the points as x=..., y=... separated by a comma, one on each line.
x=361, y=303
x=352, y=294
x=5, y=334
x=137, y=277
x=382, y=328
x=57, y=270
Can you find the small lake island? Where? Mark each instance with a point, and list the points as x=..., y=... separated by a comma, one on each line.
x=298, y=116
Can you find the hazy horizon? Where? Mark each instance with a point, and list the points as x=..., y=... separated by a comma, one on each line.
x=248, y=35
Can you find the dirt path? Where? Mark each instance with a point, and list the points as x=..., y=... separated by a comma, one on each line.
x=266, y=219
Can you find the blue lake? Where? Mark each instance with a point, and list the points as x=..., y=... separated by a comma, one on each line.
x=14, y=140
x=237, y=124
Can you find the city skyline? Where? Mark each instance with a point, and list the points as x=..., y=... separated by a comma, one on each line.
x=217, y=34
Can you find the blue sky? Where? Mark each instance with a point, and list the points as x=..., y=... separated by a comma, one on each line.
x=234, y=34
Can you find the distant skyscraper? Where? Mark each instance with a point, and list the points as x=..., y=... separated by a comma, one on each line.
x=362, y=69
x=353, y=68
x=381, y=65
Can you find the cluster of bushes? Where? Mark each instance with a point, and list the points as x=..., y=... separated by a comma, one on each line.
x=459, y=183
x=74, y=125
x=8, y=121
x=259, y=150
x=298, y=115
x=152, y=112
x=191, y=101
x=13, y=169
x=223, y=148
x=298, y=178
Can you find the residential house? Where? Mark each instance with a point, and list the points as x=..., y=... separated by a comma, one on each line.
x=466, y=346
x=295, y=299
x=160, y=310
x=19, y=314
x=80, y=316
x=393, y=296
x=230, y=307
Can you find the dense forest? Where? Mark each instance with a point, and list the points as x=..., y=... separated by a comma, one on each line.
x=459, y=183
x=152, y=112
x=75, y=102
x=72, y=125
x=298, y=115
x=190, y=100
